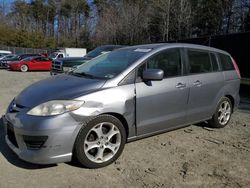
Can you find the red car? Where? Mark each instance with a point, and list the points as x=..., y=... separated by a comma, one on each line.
x=31, y=63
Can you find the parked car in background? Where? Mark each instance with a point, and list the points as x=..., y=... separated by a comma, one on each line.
x=5, y=62
x=68, y=52
x=125, y=95
x=68, y=64
x=31, y=64
x=7, y=56
x=4, y=52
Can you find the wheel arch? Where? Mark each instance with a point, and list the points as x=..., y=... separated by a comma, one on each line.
x=121, y=118
x=230, y=97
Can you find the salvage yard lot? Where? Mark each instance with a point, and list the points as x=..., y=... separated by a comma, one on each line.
x=190, y=157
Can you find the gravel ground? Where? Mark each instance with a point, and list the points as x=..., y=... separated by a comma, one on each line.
x=190, y=157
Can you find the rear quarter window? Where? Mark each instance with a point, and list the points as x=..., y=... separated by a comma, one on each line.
x=226, y=62
x=214, y=62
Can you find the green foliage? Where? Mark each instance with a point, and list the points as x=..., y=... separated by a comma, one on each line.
x=79, y=23
x=208, y=17
x=247, y=22
x=21, y=38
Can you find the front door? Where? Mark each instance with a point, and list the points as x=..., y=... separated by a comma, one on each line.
x=162, y=105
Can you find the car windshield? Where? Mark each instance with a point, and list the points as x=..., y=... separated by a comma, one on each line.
x=109, y=65
x=53, y=55
x=28, y=58
x=16, y=57
x=8, y=56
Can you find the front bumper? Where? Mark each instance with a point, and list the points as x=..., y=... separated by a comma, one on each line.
x=55, y=72
x=14, y=67
x=51, y=139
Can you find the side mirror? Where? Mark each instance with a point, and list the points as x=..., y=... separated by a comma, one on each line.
x=153, y=75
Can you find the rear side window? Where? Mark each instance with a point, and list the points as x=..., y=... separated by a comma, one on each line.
x=44, y=59
x=226, y=62
x=199, y=62
x=38, y=59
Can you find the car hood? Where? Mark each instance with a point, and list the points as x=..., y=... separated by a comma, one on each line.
x=60, y=87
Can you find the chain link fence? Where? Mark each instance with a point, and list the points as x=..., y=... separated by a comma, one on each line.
x=20, y=50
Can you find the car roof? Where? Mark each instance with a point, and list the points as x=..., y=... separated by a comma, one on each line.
x=173, y=45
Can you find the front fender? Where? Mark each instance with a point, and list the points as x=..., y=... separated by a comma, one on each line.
x=119, y=100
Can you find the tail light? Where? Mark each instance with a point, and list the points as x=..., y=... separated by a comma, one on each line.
x=236, y=68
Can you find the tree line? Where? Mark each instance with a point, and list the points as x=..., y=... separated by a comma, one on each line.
x=88, y=23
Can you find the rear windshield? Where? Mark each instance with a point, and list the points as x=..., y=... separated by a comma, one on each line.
x=226, y=62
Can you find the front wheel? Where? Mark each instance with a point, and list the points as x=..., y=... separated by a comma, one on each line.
x=222, y=115
x=100, y=142
x=24, y=68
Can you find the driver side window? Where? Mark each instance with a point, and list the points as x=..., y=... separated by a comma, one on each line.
x=168, y=60
x=60, y=56
x=38, y=59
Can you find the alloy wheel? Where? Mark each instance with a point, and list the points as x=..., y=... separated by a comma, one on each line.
x=224, y=113
x=24, y=68
x=102, y=142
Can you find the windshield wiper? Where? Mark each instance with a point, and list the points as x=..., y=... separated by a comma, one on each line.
x=83, y=74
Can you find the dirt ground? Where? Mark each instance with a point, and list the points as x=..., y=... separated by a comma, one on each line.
x=190, y=157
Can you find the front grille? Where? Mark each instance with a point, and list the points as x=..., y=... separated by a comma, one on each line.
x=11, y=134
x=57, y=65
x=34, y=142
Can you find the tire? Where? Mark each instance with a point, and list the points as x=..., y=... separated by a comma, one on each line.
x=100, y=142
x=222, y=114
x=24, y=68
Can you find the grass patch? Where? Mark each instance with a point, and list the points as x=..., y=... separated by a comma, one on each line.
x=245, y=81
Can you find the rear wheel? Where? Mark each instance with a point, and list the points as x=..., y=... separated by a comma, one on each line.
x=100, y=142
x=24, y=68
x=222, y=115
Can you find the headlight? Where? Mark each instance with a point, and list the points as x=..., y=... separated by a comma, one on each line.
x=67, y=69
x=55, y=107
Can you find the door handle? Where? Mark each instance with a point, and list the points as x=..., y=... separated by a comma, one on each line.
x=180, y=85
x=198, y=83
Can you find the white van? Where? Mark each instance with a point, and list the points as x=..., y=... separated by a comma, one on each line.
x=68, y=52
x=4, y=52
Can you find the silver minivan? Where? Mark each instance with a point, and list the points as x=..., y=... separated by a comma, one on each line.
x=128, y=94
